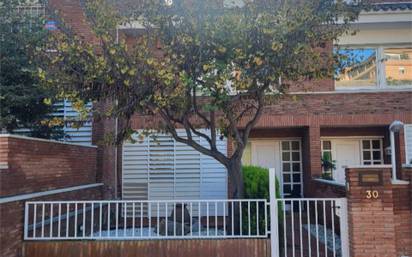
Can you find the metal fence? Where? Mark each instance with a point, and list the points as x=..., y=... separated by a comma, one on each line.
x=304, y=227
x=164, y=219
x=312, y=227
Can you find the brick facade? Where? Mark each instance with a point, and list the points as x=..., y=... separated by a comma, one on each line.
x=381, y=226
x=35, y=165
x=323, y=189
x=71, y=12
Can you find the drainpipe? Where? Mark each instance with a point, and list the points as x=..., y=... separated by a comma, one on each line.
x=116, y=124
x=395, y=126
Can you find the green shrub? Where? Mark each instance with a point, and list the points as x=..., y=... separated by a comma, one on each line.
x=256, y=186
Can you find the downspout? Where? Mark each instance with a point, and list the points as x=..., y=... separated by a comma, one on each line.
x=116, y=124
x=393, y=153
x=395, y=126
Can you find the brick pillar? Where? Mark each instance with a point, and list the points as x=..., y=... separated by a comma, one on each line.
x=311, y=158
x=378, y=226
x=403, y=210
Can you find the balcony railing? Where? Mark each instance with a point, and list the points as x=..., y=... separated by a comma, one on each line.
x=32, y=10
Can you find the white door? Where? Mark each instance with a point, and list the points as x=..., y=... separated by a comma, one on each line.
x=267, y=154
x=347, y=154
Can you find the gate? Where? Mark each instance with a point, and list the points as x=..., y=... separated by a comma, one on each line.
x=306, y=227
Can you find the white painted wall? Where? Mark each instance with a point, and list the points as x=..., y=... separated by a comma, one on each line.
x=379, y=34
x=408, y=142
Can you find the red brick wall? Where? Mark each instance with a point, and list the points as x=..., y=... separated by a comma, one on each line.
x=73, y=16
x=338, y=109
x=40, y=165
x=324, y=190
x=12, y=219
x=379, y=227
x=35, y=166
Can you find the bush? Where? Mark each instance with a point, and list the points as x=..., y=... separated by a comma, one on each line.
x=256, y=186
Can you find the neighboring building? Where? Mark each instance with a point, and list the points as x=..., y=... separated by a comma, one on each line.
x=63, y=109
x=347, y=120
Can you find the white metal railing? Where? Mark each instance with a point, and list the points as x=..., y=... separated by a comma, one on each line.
x=312, y=227
x=164, y=219
x=304, y=226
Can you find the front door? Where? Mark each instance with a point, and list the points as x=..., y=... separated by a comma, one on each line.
x=265, y=154
x=347, y=154
x=285, y=157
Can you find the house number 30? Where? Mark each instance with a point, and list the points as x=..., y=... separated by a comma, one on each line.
x=372, y=194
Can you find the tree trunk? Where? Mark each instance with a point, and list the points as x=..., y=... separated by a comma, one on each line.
x=236, y=192
x=236, y=179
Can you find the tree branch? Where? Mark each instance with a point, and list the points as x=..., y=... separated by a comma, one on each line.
x=171, y=128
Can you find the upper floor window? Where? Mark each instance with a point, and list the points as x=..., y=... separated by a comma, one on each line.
x=374, y=67
x=398, y=66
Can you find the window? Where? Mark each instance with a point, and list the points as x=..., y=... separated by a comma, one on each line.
x=291, y=168
x=73, y=133
x=398, y=66
x=158, y=167
x=374, y=67
x=79, y=135
x=358, y=68
x=327, y=157
x=31, y=13
x=372, y=152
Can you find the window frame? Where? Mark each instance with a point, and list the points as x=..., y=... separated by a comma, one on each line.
x=371, y=150
x=380, y=68
x=323, y=151
x=292, y=183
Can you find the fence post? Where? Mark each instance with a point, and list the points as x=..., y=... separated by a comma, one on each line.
x=26, y=221
x=274, y=223
x=344, y=232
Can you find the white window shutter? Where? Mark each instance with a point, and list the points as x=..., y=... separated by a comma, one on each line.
x=159, y=168
x=214, y=175
x=82, y=135
x=65, y=111
x=408, y=143
x=135, y=167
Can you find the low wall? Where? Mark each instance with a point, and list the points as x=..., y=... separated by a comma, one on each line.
x=152, y=248
x=380, y=213
x=35, y=169
x=327, y=189
x=38, y=165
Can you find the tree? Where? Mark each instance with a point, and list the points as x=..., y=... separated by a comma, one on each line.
x=24, y=101
x=200, y=64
